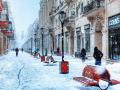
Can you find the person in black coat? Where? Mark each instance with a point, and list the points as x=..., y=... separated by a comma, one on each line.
x=97, y=55
x=16, y=50
x=83, y=54
x=22, y=50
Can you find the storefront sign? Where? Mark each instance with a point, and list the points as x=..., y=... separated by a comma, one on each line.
x=114, y=22
x=7, y=32
x=4, y=24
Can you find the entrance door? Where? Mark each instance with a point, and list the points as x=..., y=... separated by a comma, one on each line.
x=114, y=44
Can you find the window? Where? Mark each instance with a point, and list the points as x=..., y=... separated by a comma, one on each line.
x=87, y=37
x=82, y=8
x=77, y=9
x=78, y=31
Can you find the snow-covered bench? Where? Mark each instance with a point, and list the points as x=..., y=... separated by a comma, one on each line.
x=96, y=76
x=50, y=59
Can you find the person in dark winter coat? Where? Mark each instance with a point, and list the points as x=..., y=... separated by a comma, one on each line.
x=97, y=55
x=83, y=54
x=22, y=50
x=58, y=51
x=16, y=50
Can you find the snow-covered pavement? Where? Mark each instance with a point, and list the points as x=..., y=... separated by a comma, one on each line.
x=27, y=73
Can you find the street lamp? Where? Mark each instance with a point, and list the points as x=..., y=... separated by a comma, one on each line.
x=42, y=41
x=35, y=40
x=42, y=57
x=62, y=16
x=64, y=64
x=31, y=45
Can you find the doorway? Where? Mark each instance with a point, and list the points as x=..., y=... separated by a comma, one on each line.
x=114, y=44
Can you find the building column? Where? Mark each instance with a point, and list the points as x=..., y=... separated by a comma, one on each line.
x=71, y=45
x=105, y=44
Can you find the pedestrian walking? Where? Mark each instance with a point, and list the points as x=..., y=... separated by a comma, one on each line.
x=22, y=50
x=97, y=55
x=83, y=54
x=16, y=50
x=58, y=51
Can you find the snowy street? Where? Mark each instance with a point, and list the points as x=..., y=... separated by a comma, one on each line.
x=28, y=73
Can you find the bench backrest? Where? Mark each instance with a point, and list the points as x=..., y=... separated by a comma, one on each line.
x=96, y=73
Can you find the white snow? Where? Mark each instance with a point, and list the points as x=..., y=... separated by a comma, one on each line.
x=28, y=73
x=100, y=69
x=103, y=84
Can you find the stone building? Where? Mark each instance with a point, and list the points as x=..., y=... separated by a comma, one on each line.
x=89, y=23
x=46, y=25
x=113, y=28
x=6, y=27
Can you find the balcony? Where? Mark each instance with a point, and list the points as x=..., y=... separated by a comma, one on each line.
x=7, y=32
x=57, y=9
x=4, y=24
x=1, y=6
x=69, y=1
x=70, y=22
x=94, y=7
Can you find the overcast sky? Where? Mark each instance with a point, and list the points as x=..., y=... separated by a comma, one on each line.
x=24, y=12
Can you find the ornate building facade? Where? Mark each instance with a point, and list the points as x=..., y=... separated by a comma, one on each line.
x=89, y=23
x=6, y=28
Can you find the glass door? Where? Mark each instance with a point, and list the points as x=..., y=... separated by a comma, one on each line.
x=114, y=44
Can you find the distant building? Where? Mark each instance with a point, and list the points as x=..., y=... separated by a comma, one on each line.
x=6, y=28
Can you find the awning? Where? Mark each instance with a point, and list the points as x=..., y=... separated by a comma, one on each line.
x=4, y=24
x=7, y=32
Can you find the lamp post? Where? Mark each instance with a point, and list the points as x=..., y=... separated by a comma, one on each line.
x=42, y=57
x=62, y=17
x=51, y=39
x=64, y=64
x=35, y=40
x=31, y=45
x=42, y=41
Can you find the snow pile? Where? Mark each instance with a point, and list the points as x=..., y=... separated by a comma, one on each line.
x=114, y=68
x=103, y=84
x=100, y=69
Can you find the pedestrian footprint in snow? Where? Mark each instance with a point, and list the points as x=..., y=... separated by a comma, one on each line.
x=16, y=50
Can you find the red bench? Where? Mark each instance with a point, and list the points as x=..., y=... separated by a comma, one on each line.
x=50, y=59
x=92, y=75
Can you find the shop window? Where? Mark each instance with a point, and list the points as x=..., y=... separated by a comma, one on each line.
x=87, y=37
x=78, y=31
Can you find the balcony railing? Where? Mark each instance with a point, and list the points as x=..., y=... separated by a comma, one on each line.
x=7, y=32
x=1, y=6
x=57, y=9
x=69, y=1
x=70, y=20
x=96, y=4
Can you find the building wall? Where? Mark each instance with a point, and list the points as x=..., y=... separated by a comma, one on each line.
x=113, y=10
x=98, y=21
x=113, y=7
x=1, y=43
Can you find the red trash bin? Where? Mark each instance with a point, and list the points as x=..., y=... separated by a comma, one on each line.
x=64, y=67
x=42, y=58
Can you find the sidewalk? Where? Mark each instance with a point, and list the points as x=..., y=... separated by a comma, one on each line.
x=28, y=73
